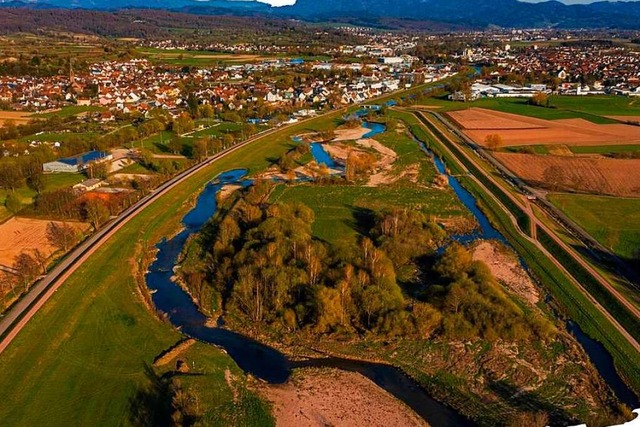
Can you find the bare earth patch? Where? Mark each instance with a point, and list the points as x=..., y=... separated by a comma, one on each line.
x=505, y=267
x=331, y=397
x=351, y=134
x=228, y=190
x=18, y=117
x=616, y=177
x=515, y=130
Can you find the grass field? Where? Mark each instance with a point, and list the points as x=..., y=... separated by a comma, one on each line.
x=82, y=356
x=594, y=109
x=338, y=209
x=72, y=110
x=59, y=136
x=614, y=222
x=51, y=182
x=195, y=58
x=605, y=150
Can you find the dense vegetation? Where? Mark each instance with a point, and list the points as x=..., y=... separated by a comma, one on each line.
x=263, y=263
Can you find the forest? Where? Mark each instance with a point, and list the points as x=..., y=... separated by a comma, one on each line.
x=259, y=261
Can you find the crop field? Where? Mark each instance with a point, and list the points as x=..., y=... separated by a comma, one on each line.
x=517, y=130
x=194, y=58
x=613, y=221
x=26, y=235
x=614, y=177
x=595, y=109
x=18, y=117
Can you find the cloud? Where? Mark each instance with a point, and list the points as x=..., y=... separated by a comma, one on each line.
x=278, y=3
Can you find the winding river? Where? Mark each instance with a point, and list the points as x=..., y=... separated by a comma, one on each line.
x=271, y=365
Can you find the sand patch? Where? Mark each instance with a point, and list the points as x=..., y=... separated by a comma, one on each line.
x=351, y=134
x=507, y=269
x=228, y=190
x=331, y=397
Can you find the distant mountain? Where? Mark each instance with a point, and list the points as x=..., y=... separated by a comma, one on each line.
x=476, y=13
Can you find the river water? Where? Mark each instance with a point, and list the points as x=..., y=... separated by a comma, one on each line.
x=272, y=366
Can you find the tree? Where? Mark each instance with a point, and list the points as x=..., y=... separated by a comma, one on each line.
x=493, y=142
x=10, y=174
x=98, y=170
x=61, y=236
x=183, y=124
x=201, y=149
x=41, y=258
x=96, y=212
x=540, y=99
x=13, y=203
x=174, y=145
x=27, y=269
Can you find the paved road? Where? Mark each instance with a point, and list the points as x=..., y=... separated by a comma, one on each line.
x=570, y=250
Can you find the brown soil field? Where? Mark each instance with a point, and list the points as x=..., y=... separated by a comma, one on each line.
x=329, y=397
x=18, y=117
x=517, y=130
x=24, y=235
x=614, y=177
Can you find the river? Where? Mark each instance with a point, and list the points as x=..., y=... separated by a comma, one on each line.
x=274, y=367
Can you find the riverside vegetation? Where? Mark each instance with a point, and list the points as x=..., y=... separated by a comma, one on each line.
x=391, y=294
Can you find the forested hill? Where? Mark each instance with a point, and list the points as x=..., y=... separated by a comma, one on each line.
x=472, y=13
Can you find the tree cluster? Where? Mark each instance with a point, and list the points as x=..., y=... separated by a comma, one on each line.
x=261, y=261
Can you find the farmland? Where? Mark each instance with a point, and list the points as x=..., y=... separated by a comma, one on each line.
x=195, y=58
x=25, y=235
x=517, y=130
x=601, y=176
x=614, y=222
x=17, y=117
x=595, y=109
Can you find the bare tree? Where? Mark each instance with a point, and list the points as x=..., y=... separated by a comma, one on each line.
x=27, y=269
x=61, y=235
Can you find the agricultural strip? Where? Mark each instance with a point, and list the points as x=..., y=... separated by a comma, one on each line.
x=613, y=221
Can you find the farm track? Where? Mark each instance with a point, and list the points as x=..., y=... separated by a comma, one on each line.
x=536, y=223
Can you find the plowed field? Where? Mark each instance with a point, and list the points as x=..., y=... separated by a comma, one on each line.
x=24, y=234
x=600, y=176
x=517, y=130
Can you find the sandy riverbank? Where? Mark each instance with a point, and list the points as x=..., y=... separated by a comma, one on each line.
x=330, y=397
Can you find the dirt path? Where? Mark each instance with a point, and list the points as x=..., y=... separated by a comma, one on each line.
x=330, y=397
